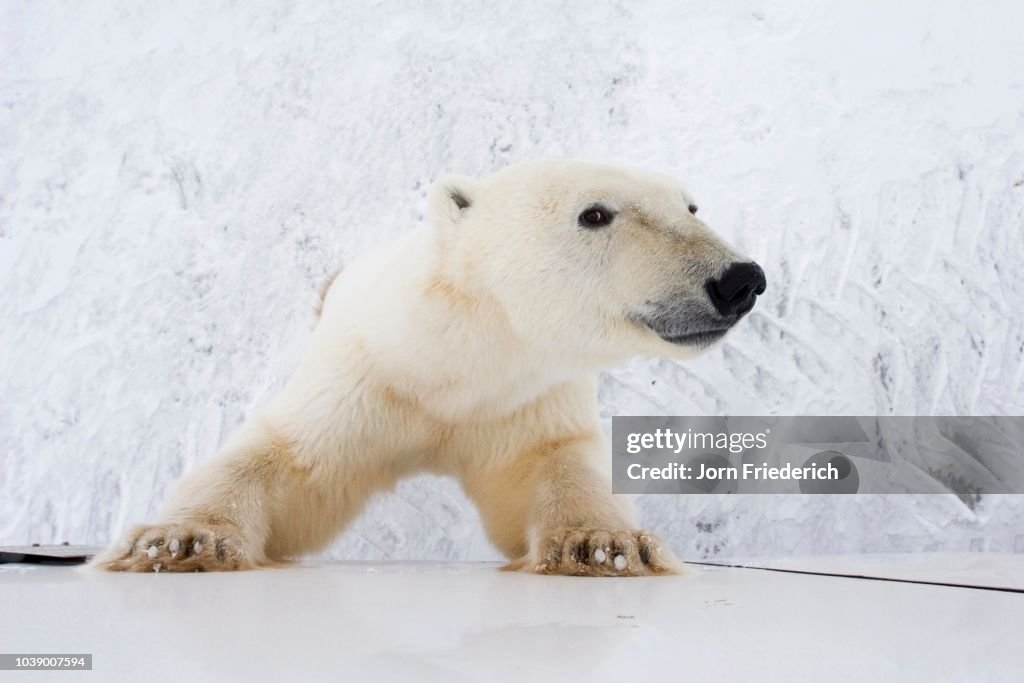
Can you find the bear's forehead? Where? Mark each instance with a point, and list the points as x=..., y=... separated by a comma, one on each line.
x=558, y=186
x=633, y=189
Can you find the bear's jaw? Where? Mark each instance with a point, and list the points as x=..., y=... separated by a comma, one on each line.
x=698, y=339
x=685, y=323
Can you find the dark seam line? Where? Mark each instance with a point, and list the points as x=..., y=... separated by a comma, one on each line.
x=867, y=578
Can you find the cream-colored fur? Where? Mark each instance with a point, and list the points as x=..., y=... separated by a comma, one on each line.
x=470, y=347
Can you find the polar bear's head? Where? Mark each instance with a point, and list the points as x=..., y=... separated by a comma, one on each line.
x=593, y=259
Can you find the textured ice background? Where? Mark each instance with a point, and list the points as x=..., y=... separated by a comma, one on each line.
x=176, y=181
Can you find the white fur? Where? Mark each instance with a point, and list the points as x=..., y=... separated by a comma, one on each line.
x=468, y=347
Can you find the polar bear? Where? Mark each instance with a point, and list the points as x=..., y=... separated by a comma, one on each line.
x=471, y=347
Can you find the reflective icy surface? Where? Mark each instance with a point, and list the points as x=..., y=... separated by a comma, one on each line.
x=470, y=622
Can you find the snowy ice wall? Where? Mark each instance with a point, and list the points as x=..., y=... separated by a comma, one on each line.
x=176, y=182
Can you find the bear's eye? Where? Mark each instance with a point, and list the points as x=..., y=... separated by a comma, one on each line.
x=693, y=209
x=596, y=217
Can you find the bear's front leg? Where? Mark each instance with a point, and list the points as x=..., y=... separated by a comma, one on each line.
x=257, y=503
x=218, y=518
x=551, y=510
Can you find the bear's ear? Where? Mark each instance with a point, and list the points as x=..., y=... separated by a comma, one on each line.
x=449, y=197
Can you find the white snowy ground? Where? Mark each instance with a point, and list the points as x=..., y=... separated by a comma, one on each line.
x=177, y=180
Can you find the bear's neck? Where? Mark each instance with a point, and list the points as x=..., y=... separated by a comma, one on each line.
x=453, y=348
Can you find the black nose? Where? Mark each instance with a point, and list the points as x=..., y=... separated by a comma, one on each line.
x=735, y=291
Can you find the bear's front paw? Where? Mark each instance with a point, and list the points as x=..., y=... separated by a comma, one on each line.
x=182, y=547
x=602, y=552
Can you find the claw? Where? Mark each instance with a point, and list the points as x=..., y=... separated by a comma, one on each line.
x=584, y=551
